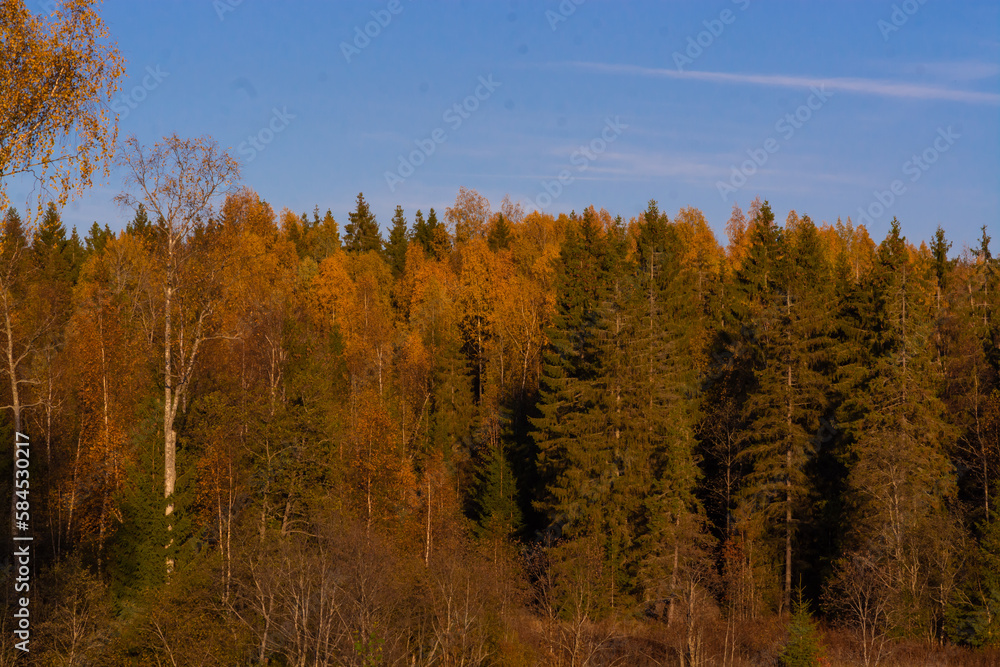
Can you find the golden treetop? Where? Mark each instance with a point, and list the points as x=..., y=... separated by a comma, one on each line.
x=57, y=76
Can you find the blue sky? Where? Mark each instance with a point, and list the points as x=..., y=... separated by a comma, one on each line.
x=626, y=101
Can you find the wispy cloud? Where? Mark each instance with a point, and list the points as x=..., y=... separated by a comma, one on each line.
x=844, y=84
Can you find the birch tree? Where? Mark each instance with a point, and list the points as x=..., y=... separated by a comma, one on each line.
x=178, y=180
x=58, y=75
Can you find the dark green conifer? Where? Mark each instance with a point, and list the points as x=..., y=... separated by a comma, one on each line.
x=395, y=248
x=362, y=233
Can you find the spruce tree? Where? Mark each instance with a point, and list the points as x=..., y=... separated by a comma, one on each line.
x=431, y=235
x=578, y=431
x=662, y=412
x=779, y=320
x=498, y=511
x=13, y=246
x=987, y=315
x=395, y=248
x=454, y=409
x=422, y=232
x=316, y=239
x=52, y=250
x=50, y=234
x=440, y=239
x=939, y=251
x=568, y=360
x=75, y=251
x=900, y=481
x=362, y=233
x=500, y=233
x=97, y=238
x=802, y=649
x=755, y=324
x=141, y=227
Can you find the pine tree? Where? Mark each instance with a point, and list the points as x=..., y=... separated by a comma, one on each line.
x=362, y=233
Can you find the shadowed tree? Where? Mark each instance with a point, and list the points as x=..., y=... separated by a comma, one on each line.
x=900, y=480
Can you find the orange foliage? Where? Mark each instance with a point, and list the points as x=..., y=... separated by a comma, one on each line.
x=469, y=215
x=58, y=78
x=376, y=469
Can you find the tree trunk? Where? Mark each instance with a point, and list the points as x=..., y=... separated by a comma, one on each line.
x=427, y=541
x=15, y=400
x=787, y=593
x=169, y=411
x=787, y=599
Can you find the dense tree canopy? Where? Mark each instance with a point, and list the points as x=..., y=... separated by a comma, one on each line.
x=532, y=439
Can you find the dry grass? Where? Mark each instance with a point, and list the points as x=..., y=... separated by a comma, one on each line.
x=632, y=643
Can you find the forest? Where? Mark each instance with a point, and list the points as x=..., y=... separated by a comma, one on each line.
x=493, y=436
x=235, y=435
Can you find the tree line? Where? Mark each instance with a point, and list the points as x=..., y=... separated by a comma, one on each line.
x=495, y=436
